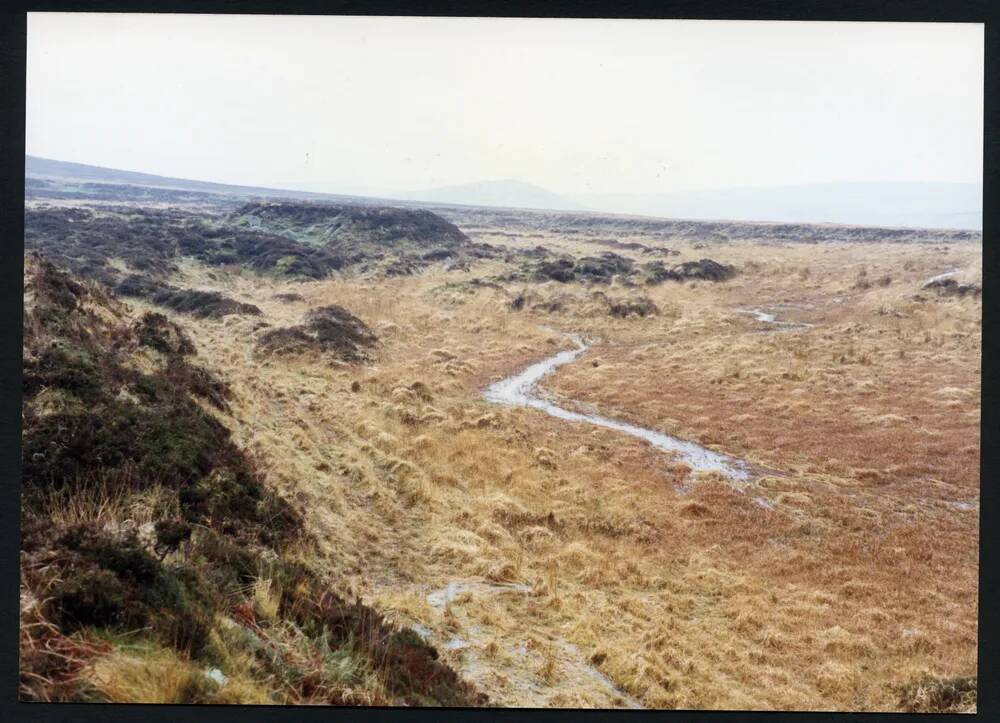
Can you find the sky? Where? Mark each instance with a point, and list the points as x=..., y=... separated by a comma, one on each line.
x=356, y=104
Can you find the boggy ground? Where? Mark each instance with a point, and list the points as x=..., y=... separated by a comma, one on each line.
x=845, y=580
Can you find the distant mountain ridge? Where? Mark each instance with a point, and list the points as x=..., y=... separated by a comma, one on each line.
x=884, y=204
x=37, y=167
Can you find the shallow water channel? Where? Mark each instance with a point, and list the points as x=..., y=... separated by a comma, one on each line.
x=519, y=391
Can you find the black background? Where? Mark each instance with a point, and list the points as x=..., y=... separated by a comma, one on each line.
x=12, y=87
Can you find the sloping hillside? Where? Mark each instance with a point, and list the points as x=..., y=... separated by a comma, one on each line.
x=295, y=240
x=157, y=565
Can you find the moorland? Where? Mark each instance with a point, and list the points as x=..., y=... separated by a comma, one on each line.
x=259, y=466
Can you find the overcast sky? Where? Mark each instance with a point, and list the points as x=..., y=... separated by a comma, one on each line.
x=577, y=106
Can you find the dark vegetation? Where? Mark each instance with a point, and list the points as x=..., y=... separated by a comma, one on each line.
x=634, y=246
x=261, y=251
x=596, y=302
x=41, y=188
x=344, y=226
x=392, y=241
x=294, y=240
x=326, y=329
x=950, y=287
x=86, y=242
x=590, y=225
x=539, y=265
x=703, y=269
x=200, y=304
x=110, y=417
x=151, y=241
x=935, y=695
x=632, y=307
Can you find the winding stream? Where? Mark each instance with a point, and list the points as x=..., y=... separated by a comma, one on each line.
x=519, y=391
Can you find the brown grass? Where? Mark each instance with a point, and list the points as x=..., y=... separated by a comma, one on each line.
x=862, y=580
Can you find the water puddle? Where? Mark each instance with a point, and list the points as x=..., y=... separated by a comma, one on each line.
x=962, y=506
x=518, y=661
x=438, y=599
x=604, y=681
x=422, y=630
x=773, y=322
x=945, y=275
x=519, y=391
x=455, y=643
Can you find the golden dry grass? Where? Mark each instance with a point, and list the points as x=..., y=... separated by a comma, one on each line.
x=862, y=578
x=158, y=675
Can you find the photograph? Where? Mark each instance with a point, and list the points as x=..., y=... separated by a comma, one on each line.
x=500, y=362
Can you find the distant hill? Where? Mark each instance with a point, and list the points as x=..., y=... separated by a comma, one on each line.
x=46, y=168
x=891, y=204
x=505, y=194
x=914, y=204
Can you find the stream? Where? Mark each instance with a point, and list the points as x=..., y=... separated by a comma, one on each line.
x=519, y=391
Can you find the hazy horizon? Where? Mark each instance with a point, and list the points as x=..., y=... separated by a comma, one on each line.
x=886, y=204
x=575, y=106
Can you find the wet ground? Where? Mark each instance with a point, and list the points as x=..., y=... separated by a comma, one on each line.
x=519, y=391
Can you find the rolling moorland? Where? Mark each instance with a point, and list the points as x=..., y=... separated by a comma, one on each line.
x=290, y=450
